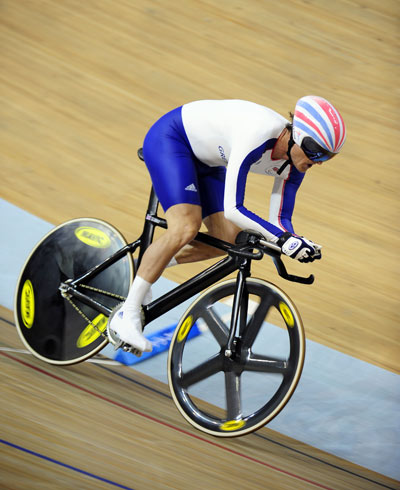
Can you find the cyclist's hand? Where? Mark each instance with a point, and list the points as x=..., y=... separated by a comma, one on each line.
x=299, y=248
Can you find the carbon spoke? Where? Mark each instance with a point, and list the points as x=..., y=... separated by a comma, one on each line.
x=266, y=364
x=233, y=398
x=257, y=320
x=216, y=325
x=204, y=370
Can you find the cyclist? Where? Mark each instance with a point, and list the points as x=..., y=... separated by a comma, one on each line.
x=199, y=156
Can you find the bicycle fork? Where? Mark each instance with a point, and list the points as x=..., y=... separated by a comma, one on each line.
x=239, y=308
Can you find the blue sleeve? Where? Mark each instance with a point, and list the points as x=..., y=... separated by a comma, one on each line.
x=289, y=190
x=251, y=158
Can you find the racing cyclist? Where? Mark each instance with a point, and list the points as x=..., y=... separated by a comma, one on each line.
x=198, y=157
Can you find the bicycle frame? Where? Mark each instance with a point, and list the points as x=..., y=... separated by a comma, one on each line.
x=238, y=258
x=183, y=291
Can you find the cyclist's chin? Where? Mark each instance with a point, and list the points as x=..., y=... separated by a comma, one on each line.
x=302, y=166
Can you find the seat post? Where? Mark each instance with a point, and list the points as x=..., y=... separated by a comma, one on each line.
x=152, y=206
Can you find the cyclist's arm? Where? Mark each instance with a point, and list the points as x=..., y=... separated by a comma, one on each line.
x=236, y=175
x=283, y=199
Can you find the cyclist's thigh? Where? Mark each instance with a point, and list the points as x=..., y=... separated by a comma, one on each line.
x=219, y=227
x=171, y=162
x=211, y=187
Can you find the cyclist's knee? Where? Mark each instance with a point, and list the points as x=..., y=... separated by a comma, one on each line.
x=184, y=233
x=184, y=222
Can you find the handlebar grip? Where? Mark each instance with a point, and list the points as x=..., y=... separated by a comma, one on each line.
x=252, y=246
x=280, y=267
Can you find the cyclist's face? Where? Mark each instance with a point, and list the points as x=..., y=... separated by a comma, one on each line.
x=300, y=159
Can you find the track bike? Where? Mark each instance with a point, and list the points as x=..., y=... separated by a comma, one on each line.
x=230, y=380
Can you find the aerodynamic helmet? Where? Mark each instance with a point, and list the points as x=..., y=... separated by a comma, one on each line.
x=318, y=128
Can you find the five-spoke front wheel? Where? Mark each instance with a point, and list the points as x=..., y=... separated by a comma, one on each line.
x=229, y=395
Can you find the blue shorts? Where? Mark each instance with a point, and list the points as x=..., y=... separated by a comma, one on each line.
x=177, y=175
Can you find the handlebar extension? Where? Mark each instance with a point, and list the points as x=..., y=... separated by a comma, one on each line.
x=252, y=240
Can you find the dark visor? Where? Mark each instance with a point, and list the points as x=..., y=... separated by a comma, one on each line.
x=315, y=152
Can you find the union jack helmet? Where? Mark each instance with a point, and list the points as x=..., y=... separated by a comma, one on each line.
x=318, y=128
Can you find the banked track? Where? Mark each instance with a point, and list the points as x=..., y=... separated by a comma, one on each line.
x=102, y=425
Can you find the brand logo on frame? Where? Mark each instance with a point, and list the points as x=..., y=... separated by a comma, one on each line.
x=92, y=237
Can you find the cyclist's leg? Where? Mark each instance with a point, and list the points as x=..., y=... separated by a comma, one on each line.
x=218, y=226
x=211, y=187
x=174, y=172
x=184, y=221
x=172, y=167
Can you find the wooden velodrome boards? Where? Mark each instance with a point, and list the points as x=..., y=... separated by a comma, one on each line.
x=82, y=81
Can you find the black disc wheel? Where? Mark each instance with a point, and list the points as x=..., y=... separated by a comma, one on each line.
x=48, y=324
x=233, y=395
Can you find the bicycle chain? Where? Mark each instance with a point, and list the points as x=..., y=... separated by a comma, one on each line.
x=106, y=293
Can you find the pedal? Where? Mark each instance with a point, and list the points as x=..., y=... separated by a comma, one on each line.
x=128, y=348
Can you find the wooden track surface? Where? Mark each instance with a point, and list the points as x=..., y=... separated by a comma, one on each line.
x=80, y=83
x=118, y=425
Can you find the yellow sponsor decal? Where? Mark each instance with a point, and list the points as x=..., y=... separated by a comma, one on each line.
x=92, y=332
x=287, y=314
x=185, y=328
x=27, y=304
x=231, y=425
x=92, y=237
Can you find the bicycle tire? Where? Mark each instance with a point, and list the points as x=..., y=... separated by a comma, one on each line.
x=47, y=323
x=197, y=387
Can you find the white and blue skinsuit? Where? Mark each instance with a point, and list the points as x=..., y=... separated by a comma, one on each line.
x=202, y=152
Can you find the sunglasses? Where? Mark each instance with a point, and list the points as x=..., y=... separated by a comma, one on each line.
x=314, y=152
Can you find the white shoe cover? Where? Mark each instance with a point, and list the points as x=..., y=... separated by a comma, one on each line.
x=128, y=327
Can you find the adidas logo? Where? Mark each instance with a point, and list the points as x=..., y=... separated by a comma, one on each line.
x=191, y=187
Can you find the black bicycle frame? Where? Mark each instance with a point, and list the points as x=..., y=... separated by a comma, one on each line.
x=237, y=259
x=179, y=294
